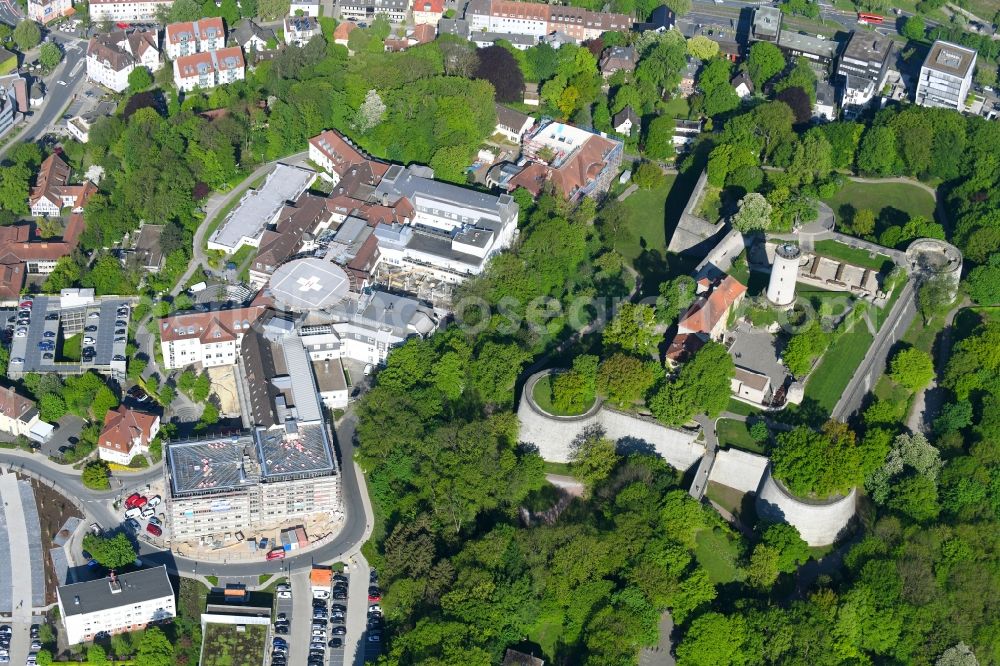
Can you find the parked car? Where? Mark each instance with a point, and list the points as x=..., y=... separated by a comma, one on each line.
x=336, y=642
x=49, y=334
x=87, y=340
x=155, y=500
x=134, y=512
x=339, y=631
x=133, y=524
x=278, y=554
x=141, y=502
x=374, y=594
x=90, y=329
x=131, y=500
x=148, y=513
x=154, y=529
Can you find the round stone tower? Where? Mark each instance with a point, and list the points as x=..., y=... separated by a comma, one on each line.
x=784, y=271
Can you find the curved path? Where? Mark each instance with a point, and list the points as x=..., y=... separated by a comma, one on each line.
x=216, y=203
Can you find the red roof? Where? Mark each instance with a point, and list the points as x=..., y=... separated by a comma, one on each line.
x=705, y=314
x=205, y=325
x=429, y=6
x=124, y=428
x=343, y=31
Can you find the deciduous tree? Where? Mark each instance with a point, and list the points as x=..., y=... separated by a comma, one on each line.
x=624, y=380
x=632, y=330
x=498, y=66
x=912, y=368
x=754, y=213
x=764, y=61
x=593, y=456
x=27, y=35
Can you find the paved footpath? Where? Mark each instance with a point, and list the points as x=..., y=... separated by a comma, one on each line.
x=17, y=531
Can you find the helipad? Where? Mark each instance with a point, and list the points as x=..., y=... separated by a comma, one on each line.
x=308, y=284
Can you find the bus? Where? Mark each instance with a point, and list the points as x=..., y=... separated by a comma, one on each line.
x=865, y=18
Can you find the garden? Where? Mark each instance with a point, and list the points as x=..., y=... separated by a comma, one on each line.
x=232, y=645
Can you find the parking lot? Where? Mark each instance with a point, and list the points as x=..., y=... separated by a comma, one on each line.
x=40, y=328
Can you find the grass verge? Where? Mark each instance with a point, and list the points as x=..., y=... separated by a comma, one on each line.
x=648, y=211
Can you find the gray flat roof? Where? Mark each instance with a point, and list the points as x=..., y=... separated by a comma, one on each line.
x=94, y=596
x=950, y=58
x=206, y=465
x=817, y=46
x=297, y=449
x=308, y=284
x=258, y=207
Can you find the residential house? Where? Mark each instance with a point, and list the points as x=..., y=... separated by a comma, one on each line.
x=249, y=36
x=946, y=76
x=209, y=69
x=625, y=121
x=127, y=11
x=511, y=124
x=367, y=10
x=126, y=433
x=685, y=132
x=342, y=33
x=688, y=77
x=209, y=338
x=721, y=32
x=742, y=85
x=861, y=70
x=825, y=108
x=146, y=253
x=531, y=96
x=484, y=40
x=708, y=316
x=514, y=658
x=659, y=20
x=453, y=26
x=418, y=34
x=13, y=101
x=187, y=37
x=428, y=11
x=618, y=59
x=751, y=386
x=112, y=56
x=300, y=29
x=44, y=11
x=18, y=415
x=116, y=604
x=79, y=126
x=534, y=20
x=52, y=191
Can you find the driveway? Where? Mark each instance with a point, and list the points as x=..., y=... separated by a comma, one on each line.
x=66, y=434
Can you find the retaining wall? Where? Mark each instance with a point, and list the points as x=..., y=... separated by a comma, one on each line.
x=554, y=435
x=819, y=523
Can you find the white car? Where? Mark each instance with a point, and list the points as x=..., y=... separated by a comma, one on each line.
x=61, y=82
x=319, y=632
x=134, y=512
x=284, y=594
x=321, y=594
x=148, y=513
x=154, y=501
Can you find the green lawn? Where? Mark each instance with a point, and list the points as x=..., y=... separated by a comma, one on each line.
x=737, y=435
x=547, y=630
x=225, y=645
x=648, y=209
x=542, y=393
x=717, y=552
x=827, y=382
x=677, y=107
x=904, y=197
x=71, y=347
x=741, y=408
x=565, y=469
x=851, y=255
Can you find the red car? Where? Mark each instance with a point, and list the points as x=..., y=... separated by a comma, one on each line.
x=141, y=502
x=153, y=529
x=132, y=499
x=276, y=554
x=374, y=595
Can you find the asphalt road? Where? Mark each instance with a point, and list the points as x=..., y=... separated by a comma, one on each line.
x=73, y=71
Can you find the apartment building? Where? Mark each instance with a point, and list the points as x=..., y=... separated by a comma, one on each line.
x=126, y=433
x=185, y=38
x=127, y=11
x=338, y=158
x=367, y=10
x=209, y=338
x=427, y=12
x=300, y=29
x=116, y=604
x=862, y=67
x=112, y=56
x=201, y=71
x=52, y=191
x=535, y=20
x=44, y=11
x=946, y=76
